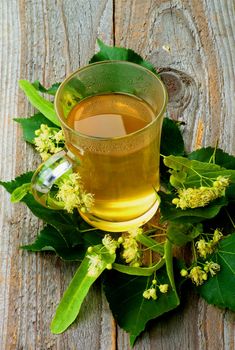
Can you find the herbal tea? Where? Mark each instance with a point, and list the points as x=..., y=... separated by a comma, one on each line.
x=122, y=176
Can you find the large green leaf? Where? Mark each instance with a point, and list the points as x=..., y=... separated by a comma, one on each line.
x=76, y=292
x=31, y=124
x=217, y=156
x=119, y=53
x=50, y=239
x=192, y=171
x=125, y=296
x=219, y=290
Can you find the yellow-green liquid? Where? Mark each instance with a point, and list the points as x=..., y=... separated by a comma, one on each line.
x=122, y=172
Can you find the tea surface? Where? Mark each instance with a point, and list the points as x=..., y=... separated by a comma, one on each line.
x=110, y=115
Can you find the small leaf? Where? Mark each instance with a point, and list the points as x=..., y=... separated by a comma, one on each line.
x=119, y=53
x=180, y=234
x=219, y=289
x=125, y=296
x=20, y=192
x=31, y=124
x=76, y=292
x=44, y=106
x=50, y=91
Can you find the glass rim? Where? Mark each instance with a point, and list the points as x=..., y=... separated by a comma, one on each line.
x=97, y=138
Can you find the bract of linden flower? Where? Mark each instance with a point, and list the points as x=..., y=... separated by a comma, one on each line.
x=48, y=141
x=201, y=196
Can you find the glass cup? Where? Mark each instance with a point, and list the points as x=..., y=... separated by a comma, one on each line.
x=121, y=172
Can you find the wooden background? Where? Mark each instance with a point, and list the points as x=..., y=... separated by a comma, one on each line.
x=193, y=44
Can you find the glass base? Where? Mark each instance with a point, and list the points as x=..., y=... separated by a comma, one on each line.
x=120, y=226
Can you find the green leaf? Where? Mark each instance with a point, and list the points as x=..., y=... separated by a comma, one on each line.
x=196, y=171
x=125, y=296
x=219, y=290
x=31, y=124
x=180, y=234
x=71, y=302
x=50, y=91
x=217, y=156
x=169, y=212
x=171, y=140
x=19, y=193
x=44, y=106
x=50, y=239
x=119, y=53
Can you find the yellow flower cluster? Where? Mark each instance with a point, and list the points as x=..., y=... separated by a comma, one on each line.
x=205, y=248
x=152, y=291
x=197, y=275
x=201, y=196
x=131, y=252
x=48, y=141
x=72, y=194
x=110, y=244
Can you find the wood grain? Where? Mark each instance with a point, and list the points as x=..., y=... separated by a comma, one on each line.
x=192, y=43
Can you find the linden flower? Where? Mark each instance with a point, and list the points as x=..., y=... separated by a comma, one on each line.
x=48, y=141
x=217, y=236
x=163, y=288
x=197, y=275
x=110, y=244
x=95, y=265
x=150, y=293
x=71, y=193
x=212, y=267
x=200, y=197
x=135, y=232
x=204, y=248
x=131, y=252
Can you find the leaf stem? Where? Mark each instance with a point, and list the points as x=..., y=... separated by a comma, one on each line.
x=139, y=271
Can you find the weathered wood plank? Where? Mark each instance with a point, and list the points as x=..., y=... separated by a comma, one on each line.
x=192, y=42
x=42, y=40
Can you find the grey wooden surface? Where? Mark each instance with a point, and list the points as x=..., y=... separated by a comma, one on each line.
x=192, y=42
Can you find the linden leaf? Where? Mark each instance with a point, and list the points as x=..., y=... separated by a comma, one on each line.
x=219, y=289
x=218, y=156
x=197, y=172
x=50, y=239
x=125, y=296
x=119, y=53
x=31, y=124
